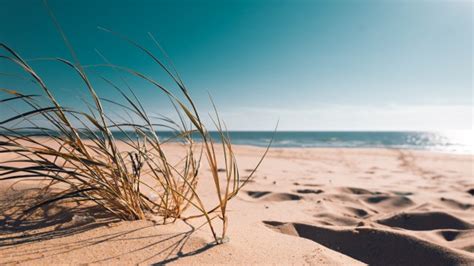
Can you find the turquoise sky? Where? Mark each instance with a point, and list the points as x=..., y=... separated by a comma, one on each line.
x=315, y=65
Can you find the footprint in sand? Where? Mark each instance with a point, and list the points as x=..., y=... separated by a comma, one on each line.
x=375, y=246
x=306, y=185
x=357, y=191
x=357, y=212
x=471, y=191
x=449, y=235
x=421, y=221
x=309, y=191
x=273, y=196
x=257, y=194
x=389, y=201
x=455, y=204
x=461, y=236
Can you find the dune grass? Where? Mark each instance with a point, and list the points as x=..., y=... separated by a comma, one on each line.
x=83, y=162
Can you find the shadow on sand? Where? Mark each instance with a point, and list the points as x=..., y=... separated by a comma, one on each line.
x=19, y=231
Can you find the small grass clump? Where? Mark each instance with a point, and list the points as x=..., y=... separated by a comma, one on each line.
x=83, y=161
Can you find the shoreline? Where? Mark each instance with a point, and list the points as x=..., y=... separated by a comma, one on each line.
x=322, y=148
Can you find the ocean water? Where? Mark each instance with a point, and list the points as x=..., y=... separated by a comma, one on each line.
x=451, y=142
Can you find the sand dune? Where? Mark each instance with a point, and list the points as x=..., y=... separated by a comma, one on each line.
x=305, y=206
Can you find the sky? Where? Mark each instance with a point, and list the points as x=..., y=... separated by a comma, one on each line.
x=312, y=65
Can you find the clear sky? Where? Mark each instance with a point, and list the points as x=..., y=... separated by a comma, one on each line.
x=315, y=65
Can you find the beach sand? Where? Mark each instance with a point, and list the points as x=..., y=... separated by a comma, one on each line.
x=304, y=206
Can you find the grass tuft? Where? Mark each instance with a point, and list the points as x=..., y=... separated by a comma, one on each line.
x=82, y=159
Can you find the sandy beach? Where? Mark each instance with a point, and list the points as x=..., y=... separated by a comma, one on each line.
x=304, y=206
x=236, y=132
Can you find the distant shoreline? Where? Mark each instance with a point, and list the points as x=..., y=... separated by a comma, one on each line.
x=459, y=142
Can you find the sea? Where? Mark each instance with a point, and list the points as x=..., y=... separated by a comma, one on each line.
x=461, y=141
x=449, y=141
